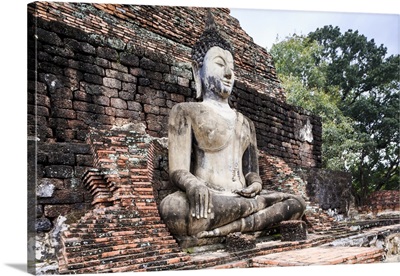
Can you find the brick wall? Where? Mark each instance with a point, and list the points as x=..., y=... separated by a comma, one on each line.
x=100, y=66
x=381, y=201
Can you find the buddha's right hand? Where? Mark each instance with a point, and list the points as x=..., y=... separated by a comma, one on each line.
x=200, y=200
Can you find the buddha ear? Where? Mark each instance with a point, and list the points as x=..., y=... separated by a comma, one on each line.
x=197, y=79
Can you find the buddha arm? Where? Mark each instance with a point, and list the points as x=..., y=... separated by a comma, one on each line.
x=179, y=154
x=250, y=166
x=179, y=144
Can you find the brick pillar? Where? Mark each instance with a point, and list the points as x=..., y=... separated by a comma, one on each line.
x=124, y=231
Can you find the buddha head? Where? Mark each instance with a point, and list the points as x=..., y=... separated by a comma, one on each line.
x=212, y=63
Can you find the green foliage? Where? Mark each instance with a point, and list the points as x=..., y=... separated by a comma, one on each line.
x=350, y=83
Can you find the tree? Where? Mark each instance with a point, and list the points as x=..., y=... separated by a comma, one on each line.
x=305, y=81
x=354, y=87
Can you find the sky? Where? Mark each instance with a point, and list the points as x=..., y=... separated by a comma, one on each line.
x=266, y=26
x=14, y=108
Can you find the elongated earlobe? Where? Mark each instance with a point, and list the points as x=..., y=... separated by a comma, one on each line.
x=197, y=79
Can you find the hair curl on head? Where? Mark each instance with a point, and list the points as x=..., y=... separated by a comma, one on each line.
x=210, y=37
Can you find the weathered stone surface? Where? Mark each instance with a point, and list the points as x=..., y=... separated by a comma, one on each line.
x=112, y=83
x=129, y=59
x=45, y=189
x=118, y=103
x=96, y=79
x=48, y=37
x=79, y=46
x=107, y=53
x=239, y=242
x=43, y=224
x=225, y=158
x=63, y=197
x=293, y=230
x=330, y=189
x=59, y=171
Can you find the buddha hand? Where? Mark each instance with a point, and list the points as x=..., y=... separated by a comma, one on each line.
x=200, y=200
x=250, y=191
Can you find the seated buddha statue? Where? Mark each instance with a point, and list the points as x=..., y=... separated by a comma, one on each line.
x=213, y=156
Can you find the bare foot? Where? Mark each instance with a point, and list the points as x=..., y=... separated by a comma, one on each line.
x=208, y=234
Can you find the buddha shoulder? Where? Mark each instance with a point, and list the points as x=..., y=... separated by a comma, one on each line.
x=188, y=110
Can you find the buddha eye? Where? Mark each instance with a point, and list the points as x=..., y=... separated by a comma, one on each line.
x=219, y=62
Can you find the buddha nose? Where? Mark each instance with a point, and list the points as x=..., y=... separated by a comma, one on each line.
x=227, y=72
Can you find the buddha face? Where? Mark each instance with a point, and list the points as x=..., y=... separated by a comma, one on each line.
x=217, y=73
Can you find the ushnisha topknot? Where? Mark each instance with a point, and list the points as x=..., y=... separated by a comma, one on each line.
x=210, y=37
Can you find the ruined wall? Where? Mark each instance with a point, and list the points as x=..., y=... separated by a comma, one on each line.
x=283, y=130
x=328, y=189
x=382, y=201
x=100, y=66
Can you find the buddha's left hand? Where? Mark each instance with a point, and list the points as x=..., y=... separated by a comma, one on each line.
x=250, y=191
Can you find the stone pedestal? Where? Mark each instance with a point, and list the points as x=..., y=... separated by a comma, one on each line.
x=293, y=230
x=238, y=242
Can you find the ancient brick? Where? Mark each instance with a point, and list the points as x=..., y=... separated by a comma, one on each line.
x=88, y=59
x=87, y=117
x=185, y=91
x=84, y=106
x=53, y=211
x=129, y=59
x=182, y=72
x=43, y=56
x=110, y=111
x=64, y=135
x=103, y=119
x=144, y=81
x=107, y=53
x=81, y=134
x=59, y=171
x=148, y=64
x=183, y=82
x=127, y=114
x=151, y=109
x=118, y=103
x=93, y=89
x=79, y=46
x=101, y=100
x=84, y=160
x=154, y=75
x=135, y=106
x=50, y=68
x=87, y=67
x=102, y=62
x=64, y=113
x=120, y=76
x=72, y=73
x=38, y=87
x=170, y=78
x=62, y=103
x=63, y=93
x=112, y=83
x=119, y=67
x=62, y=159
x=43, y=224
x=127, y=95
x=138, y=72
x=39, y=210
x=60, y=51
x=116, y=43
x=48, y=37
x=63, y=197
x=93, y=78
x=177, y=98
x=163, y=68
x=82, y=96
x=40, y=110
